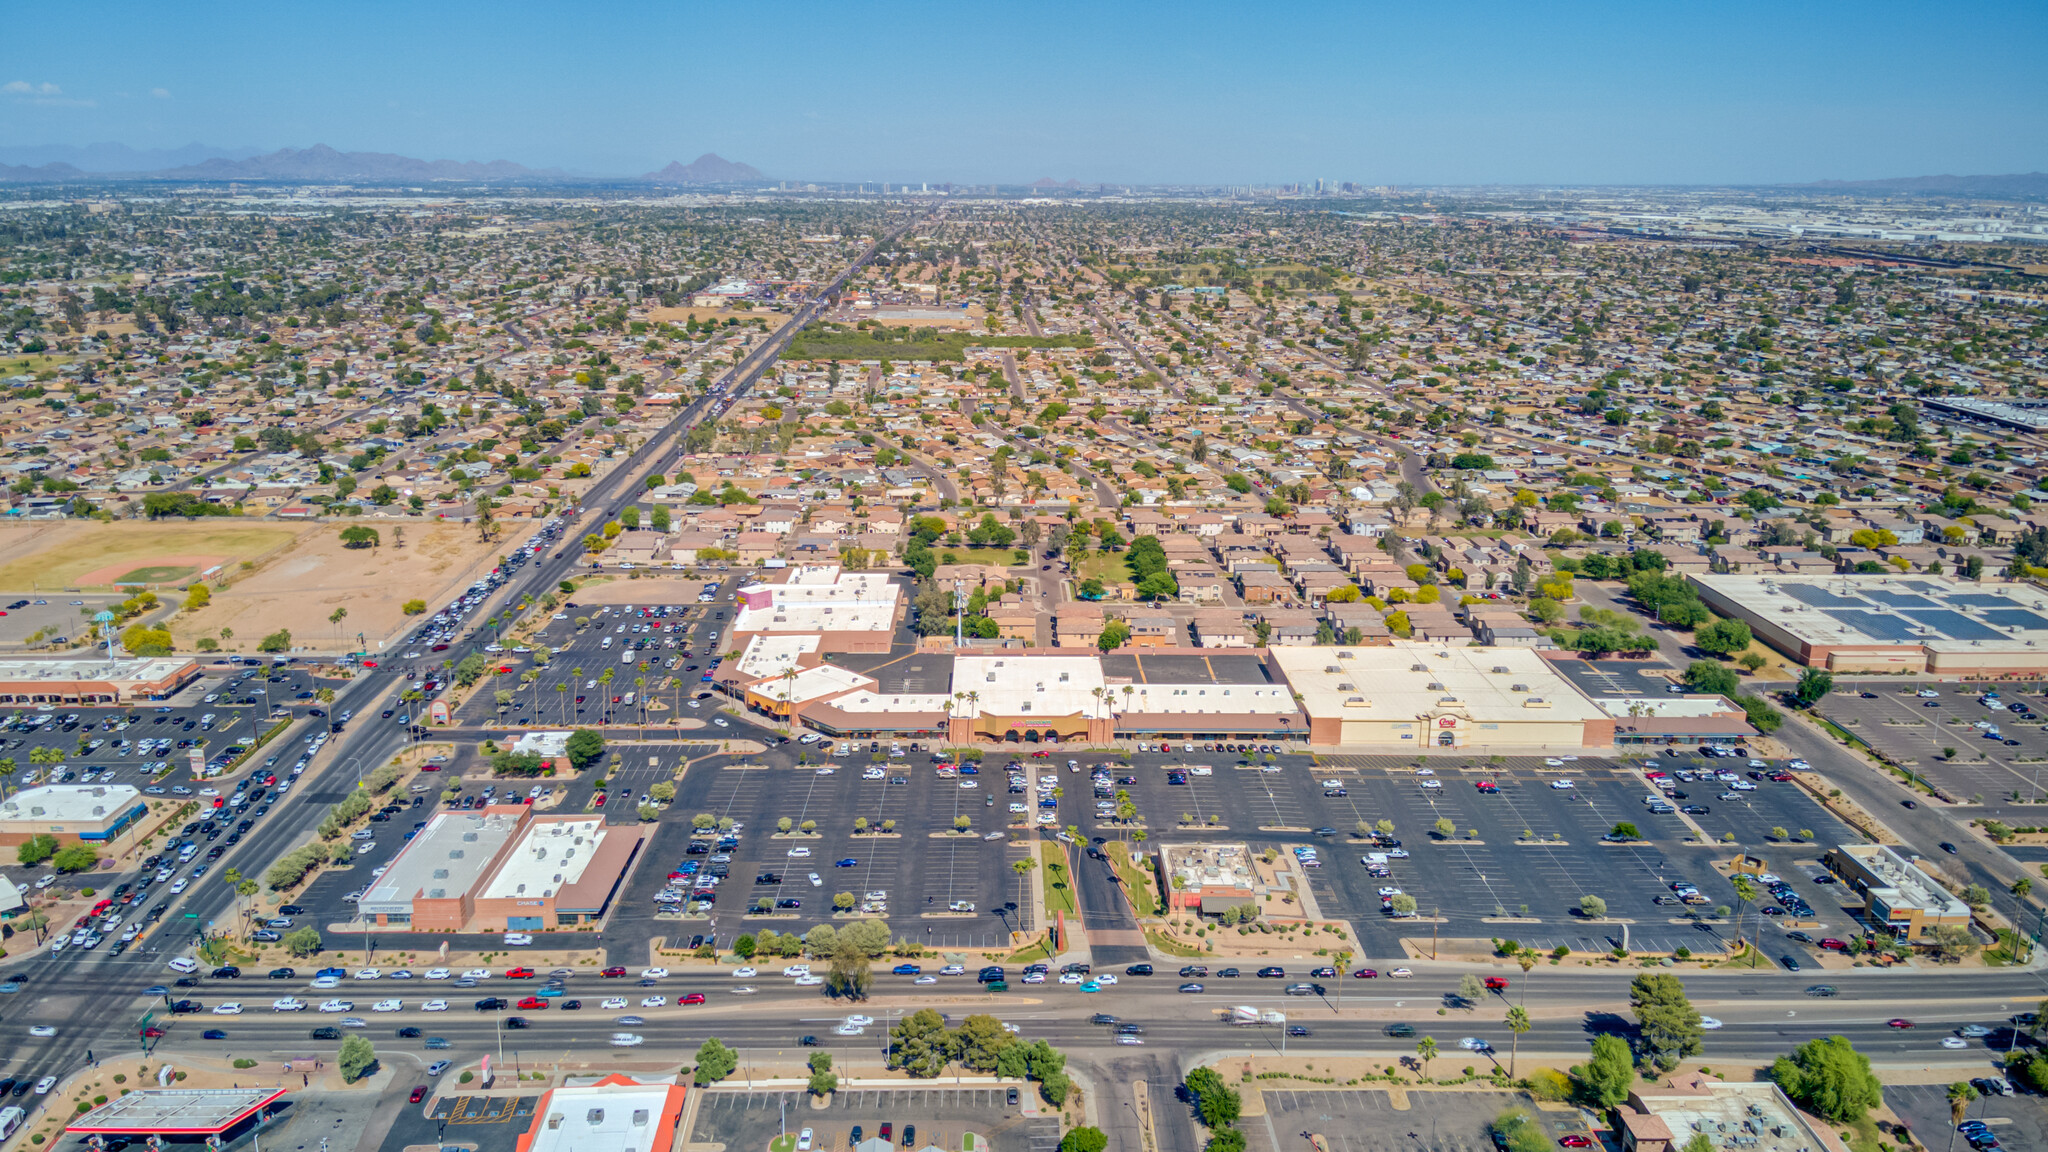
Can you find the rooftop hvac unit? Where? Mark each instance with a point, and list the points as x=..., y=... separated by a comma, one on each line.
x=1434, y=686
x=469, y=837
x=520, y=890
x=98, y=811
x=558, y=877
x=1332, y=669
x=1418, y=667
x=437, y=893
x=455, y=853
x=1346, y=656
x=1518, y=687
x=440, y=873
x=1500, y=669
x=1347, y=687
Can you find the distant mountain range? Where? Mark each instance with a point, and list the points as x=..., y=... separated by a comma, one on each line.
x=94, y=158
x=710, y=168
x=319, y=164
x=2025, y=185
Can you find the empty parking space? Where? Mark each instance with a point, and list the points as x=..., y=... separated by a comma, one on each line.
x=941, y=1115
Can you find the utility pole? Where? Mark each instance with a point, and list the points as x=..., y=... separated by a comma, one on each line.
x=1434, y=918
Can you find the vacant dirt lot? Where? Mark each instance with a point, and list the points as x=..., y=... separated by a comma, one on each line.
x=63, y=553
x=301, y=588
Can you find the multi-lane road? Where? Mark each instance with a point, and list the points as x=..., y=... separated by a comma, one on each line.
x=79, y=992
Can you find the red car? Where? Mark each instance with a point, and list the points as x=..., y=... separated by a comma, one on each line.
x=419, y=1093
x=430, y=767
x=152, y=1032
x=1486, y=786
x=692, y=998
x=533, y=1003
x=1898, y=1023
x=1365, y=973
x=519, y=973
x=1496, y=983
x=615, y=971
x=1576, y=1140
x=371, y=664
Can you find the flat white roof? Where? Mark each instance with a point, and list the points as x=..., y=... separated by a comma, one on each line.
x=603, y=1118
x=773, y=655
x=1938, y=613
x=553, y=853
x=142, y=668
x=840, y=616
x=1408, y=680
x=1198, y=699
x=549, y=744
x=442, y=861
x=1669, y=707
x=813, y=684
x=1012, y=685
x=872, y=702
x=70, y=803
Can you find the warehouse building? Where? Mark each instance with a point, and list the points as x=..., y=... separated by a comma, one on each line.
x=1424, y=696
x=1903, y=624
x=73, y=813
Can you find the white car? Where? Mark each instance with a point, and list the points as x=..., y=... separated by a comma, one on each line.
x=744, y=990
x=1709, y=1023
x=1071, y=977
x=849, y=1030
x=953, y=970
x=744, y=973
x=926, y=979
x=627, y=1040
x=1954, y=1042
x=1202, y=770
x=179, y=885
x=388, y=1006
x=477, y=974
x=653, y=1001
x=1561, y=785
x=654, y=974
x=42, y=1030
x=434, y=1006
x=437, y=974
x=1106, y=979
x=1432, y=784
x=337, y=1006
x=369, y=974
x=613, y=1004
x=1474, y=1044
x=797, y=970
x=228, y=1009
x=288, y=1004
x=808, y=981
x=860, y=1019
x=817, y=881
x=1552, y=762
x=798, y=853
x=322, y=983
x=44, y=1085
x=1401, y=973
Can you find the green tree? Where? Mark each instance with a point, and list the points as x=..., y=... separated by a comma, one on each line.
x=980, y=1041
x=1593, y=907
x=303, y=942
x=1426, y=1050
x=1707, y=676
x=851, y=973
x=1216, y=1102
x=1515, y=1130
x=1608, y=1073
x=360, y=536
x=920, y=1044
x=1814, y=683
x=1829, y=1078
x=36, y=849
x=278, y=641
x=824, y=1081
x=1084, y=1139
x=357, y=1057
x=75, y=858
x=1518, y=1023
x=714, y=1062
x=1722, y=637
x=1668, y=1024
x=584, y=747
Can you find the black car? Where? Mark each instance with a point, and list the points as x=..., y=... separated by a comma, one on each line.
x=1948, y=847
x=491, y=1004
x=408, y=1033
x=807, y=1041
x=284, y=973
x=227, y=972
x=517, y=1022
x=1138, y=970
x=1399, y=1031
x=326, y=1033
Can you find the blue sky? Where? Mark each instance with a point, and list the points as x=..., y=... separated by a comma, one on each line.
x=1458, y=93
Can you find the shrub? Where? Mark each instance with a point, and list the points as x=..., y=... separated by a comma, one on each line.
x=244, y=1062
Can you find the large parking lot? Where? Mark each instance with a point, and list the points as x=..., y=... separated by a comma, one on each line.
x=1919, y=730
x=1366, y=1121
x=2019, y=1122
x=941, y=1115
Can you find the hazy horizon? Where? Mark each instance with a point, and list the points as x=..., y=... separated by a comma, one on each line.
x=1493, y=94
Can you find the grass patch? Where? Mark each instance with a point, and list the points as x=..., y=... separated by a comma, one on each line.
x=33, y=363
x=999, y=557
x=1864, y=1137
x=838, y=342
x=1138, y=883
x=1030, y=953
x=159, y=574
x=1059, y=881
x=1107, y=567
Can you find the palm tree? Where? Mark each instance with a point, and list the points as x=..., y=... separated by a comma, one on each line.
x=1960, y=1094
x=1426, y=1050
x=7, y=770
x=1022, y=868
x=1744, y=893
x=1518, y=1023
x=562, y=694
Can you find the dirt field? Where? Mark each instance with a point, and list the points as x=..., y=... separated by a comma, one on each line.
x=301, y=588
x=76, y=553
x=667, y=588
